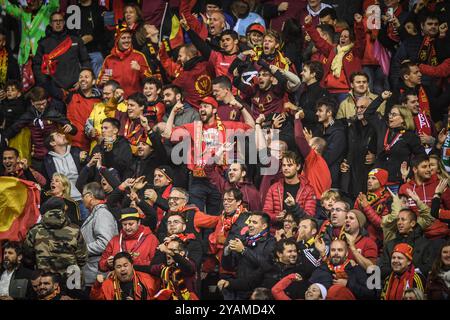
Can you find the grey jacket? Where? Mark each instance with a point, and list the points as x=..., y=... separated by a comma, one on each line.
x=98, y=229
x=188, y=115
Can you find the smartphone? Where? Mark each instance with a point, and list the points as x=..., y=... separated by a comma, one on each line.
x=390, y=12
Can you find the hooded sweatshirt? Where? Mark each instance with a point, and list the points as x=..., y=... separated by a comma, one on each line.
x=65, y=164
x=56, y=243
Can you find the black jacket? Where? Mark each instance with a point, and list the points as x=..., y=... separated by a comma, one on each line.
x=11, y=110
x=406, y=147
x=69, y=63
x=246, y=264
x=119, y=158
x=357, y=281
x=423, y=256
x=20, y=284
x=92, y=24
x=306, y=98
x=146, y=167
x=361, y=139
x=334, y=153
x=194, y=252
x=409, y=50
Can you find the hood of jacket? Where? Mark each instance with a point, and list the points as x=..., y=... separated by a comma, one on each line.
x=61, y=156
x=135, y=236
x=54, y=219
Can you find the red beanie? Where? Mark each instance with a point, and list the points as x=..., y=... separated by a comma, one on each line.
x=404, y=249
x=339, y=292
x=381, y=174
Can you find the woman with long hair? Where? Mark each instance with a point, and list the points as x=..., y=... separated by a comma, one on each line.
x=396, y=138
x=132, y=16
x=60, y=187
x=438, y=284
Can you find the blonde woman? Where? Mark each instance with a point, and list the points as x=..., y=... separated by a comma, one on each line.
x=396, y=138
x=60, y=187
x=437, y=167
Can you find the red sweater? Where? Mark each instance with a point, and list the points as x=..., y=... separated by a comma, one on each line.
x=78, y=110
x=130, y=80
x=196, y=82
x=316, y=169
x=367, y=247
x=305, y=198
x=142, y=252
x=352, y=59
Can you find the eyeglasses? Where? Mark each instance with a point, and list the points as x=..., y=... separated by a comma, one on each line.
x=393, y=114
x=338, y=210
x=228, y=200
x=175, y=198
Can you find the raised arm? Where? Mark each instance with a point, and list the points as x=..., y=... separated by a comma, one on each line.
x=300, y=139
x=324, y=47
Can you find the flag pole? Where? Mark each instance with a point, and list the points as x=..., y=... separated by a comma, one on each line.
x=162, y=22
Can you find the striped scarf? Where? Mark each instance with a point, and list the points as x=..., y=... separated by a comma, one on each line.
x=139, y=292
x=396, y=284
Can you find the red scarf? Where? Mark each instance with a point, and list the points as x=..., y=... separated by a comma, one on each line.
x=186, y=237
x=388, y=146
x=427, y=52
x=121, y=54
x=339, y=270
x=137, y=287
x=49, y=63
x=130, y=132
x=376, y=199
x=398, y=283
x=422, y=124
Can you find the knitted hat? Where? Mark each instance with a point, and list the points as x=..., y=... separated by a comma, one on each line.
x=211, y=101
x=362, y=220
x=381, y=175
x=167, y=171
x=404, y=249
x=339, y=292
x=130, y=214
x=323, y=290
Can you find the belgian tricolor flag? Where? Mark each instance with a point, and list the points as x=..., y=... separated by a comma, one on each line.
x=171, y=30
x=19, y=208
